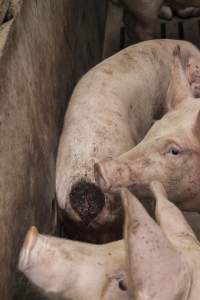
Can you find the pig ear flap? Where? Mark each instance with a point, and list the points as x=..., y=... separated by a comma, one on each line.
x=196, y=128
x=169, y=217
x=179, y=89
x=150, y=255
x=193, y=75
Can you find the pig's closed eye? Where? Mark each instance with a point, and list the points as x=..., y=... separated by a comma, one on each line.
x=174, y=151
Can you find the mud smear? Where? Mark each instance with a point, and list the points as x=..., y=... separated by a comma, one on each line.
x=87, y=200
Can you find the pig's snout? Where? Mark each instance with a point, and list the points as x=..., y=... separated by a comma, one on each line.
x=87, y=200
x=29, y=243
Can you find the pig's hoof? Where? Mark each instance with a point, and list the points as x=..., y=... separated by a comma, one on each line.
x=87, y=200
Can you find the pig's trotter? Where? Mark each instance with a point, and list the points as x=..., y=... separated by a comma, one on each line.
x=87, y=200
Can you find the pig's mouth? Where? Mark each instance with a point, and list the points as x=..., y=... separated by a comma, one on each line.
x=87, y=200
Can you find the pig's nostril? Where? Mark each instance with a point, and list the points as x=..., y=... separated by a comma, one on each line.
x=87, y=200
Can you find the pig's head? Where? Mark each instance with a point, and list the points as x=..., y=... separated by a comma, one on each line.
x=170, y=152
x=66, y=269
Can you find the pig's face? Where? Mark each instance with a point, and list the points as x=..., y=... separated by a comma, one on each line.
x=66, y=269
x=170, y=152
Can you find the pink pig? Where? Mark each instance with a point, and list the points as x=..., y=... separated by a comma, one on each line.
x=110, y=111
x=170, y=152
x=154, y=261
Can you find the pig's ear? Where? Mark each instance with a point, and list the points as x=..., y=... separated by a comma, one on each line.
x=170, y=218
x=179, y=89
x=150, y=255
x=193, y=75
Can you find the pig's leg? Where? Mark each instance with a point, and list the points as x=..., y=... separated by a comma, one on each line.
x=156, y=269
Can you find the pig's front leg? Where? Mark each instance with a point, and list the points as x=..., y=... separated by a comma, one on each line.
x=163, y=257
x=74, y=270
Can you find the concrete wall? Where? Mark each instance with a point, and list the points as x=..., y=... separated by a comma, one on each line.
x=44, y=50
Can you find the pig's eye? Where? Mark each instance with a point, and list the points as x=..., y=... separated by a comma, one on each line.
x=174, y=151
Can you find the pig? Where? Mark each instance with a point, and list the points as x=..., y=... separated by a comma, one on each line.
x=110, y=111
x=163, y=256
x=154, y=261
x=170, y=151
x=66, y=269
